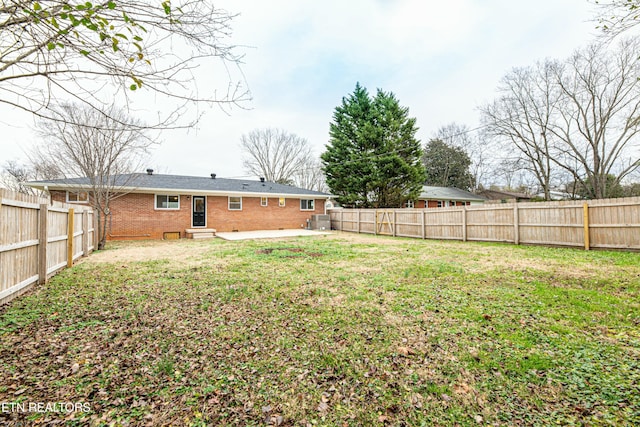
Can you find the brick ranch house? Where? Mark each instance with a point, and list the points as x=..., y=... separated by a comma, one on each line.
x=155, y=206
x=440, y=197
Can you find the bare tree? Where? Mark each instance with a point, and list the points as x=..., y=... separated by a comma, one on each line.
x=598, y=123
x=274, y=154
x=14, y=175
x=55, y=51
x=579, y=117
x=509, y=172
x=521, y=116
x=101, y=148
x=310, y=175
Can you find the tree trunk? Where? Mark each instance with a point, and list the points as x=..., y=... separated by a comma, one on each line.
x=102, y=230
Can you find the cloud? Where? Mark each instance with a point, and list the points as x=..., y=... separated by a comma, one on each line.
x=442, y=59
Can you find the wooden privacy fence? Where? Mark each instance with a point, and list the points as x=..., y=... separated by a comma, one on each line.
x=602, y=224
x=37, y=239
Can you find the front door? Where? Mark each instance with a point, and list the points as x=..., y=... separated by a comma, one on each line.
x=199, y=211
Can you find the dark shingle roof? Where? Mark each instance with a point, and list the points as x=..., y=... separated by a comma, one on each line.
x=448, y=193
x=141, y=182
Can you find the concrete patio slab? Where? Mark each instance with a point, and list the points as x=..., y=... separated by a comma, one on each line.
x=269, y=234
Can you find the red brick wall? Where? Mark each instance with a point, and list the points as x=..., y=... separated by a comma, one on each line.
x=61, y=196
x=434, y=203
x=134, y=217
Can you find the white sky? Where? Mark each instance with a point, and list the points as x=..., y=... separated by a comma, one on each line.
x=442, y=59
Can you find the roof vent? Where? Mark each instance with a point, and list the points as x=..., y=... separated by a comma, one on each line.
x=213, y=176
x=262, y=179
x=149, y=171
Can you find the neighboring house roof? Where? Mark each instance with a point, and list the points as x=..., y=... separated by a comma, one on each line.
x=500, y=195
x=448, y=193
x=177, y=184
x=558, y=195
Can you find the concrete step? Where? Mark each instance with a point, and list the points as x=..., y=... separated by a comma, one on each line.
x=203, y=235
x=200, y=233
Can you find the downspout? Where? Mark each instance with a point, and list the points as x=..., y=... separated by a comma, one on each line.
x=328, y=200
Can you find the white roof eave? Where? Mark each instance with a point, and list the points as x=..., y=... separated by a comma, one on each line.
x=178, y=191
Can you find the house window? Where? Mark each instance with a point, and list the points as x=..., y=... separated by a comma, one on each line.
x=77, y=197
x=281, y=202
x=440, y=203
x=235, y=203
x=264, y=201
x=410, y=204
x=307, y=204
x=165, y=201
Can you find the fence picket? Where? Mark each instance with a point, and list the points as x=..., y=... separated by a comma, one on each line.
x=37, y=240
x=604, y=224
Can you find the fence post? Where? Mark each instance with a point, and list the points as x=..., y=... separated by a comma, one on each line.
x=43, y=237
x=516, y=225
x=424, y=225
x=70, y=237
x=96, y=229
x=358, y=220
x=85, y=233
x=393, y=224
x=464, y=223
x=585, y=211
x=342, y=220
x=375, y=222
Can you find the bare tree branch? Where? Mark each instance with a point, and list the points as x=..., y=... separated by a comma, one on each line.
x=600, y=116
x=617, y=16
x=104, y=148
x=579, y=117
x=310, y=175
x=274, y=154
x=55, y=51
x=522, y=114
x=14, y=175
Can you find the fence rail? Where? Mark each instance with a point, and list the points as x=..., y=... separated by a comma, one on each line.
x=37, y=239
x=602, y=224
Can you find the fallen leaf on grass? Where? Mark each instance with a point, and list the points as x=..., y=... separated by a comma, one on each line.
x=462, y=388
x=405, y=351
x=323, y=407
x=474, y=353
x=275, y=420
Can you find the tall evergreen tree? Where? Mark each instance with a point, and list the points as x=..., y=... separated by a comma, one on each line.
x=447, y=166
x=373, y=158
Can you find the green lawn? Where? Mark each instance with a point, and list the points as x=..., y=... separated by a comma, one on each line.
x=342, y=330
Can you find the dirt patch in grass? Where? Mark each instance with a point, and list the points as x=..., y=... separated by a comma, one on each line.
x=182, y=251
x=287, y=252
